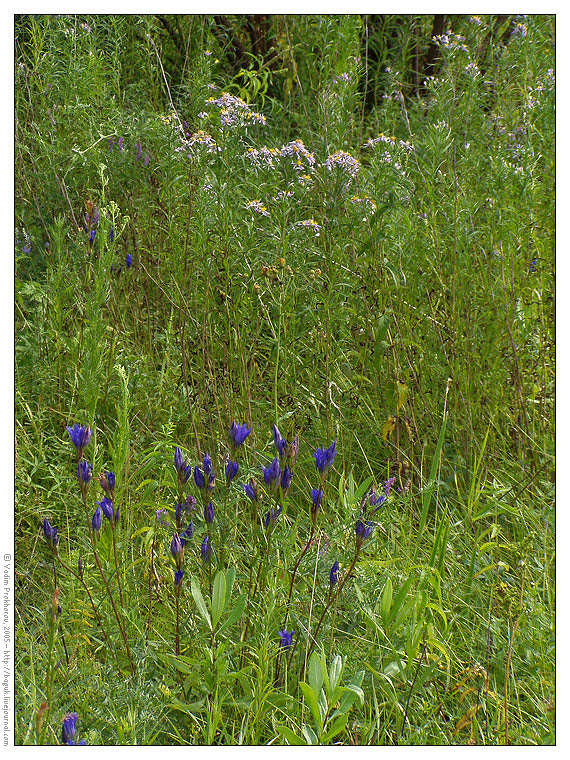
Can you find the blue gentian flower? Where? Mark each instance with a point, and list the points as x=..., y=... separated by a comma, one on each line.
x=92, y=236
x=181, y=466
x=325, y=457
x=178, y=575
x=272, y=516
x=187, y=535
x=97, y=519
x=69, y=729
x=107, y=483
x=279, y=442
x=177, y=550
x=206, y=549
x=80, y=436
x=317, y=494
x=207, y=464
x=286, y=638
x=84, y=471
x=231, y=471
x=106, y=506
x=129, y=260
x=272, y=473
x=209, y=513
x=238, y=433
x=50, y=534
x=333, y=575
x=252, y=491
x=199, y=478
x=286, y=480
x=363, y=531
x=111, y=234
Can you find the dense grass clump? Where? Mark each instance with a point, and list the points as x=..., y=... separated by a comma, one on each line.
x=284, y=379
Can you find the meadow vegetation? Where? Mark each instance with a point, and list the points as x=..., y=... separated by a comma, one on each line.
x=284, y=379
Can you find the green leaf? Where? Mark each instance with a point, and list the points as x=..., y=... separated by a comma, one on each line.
x=200, y=603
x=218, y=597
x=310, y=735
x=362, y=489
x=386, y=600
x=235, y=614
x=291, y=737
x=311, y=700
x=335, y=673
x=337, y=726
x=316, y=677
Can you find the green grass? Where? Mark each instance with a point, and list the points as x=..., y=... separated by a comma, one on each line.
x=410, y=319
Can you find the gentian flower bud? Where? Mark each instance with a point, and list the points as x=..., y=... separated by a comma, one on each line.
x=279, y=442
x=333, y=575
x=80, y=436
x=207, y=464
x=286, y=480
x=178, y=575
x=107, y=483
x=182, y=467
x=177, y=550
x=363, y=531
x=317, y=499
x=286, y=638
x=84, y=470
x=50, y=534
x=68, y=730
x=238, y=434
x=97, y=519
x=187, y=535
x=129, y=260
x=206, y=549
x=209, y=513
x=272, y=516
x=106, y=507
x=252, y=491
x=231, y=471
x=272, y=473
x=199, y=478
x=111, y=234
x=325, y=457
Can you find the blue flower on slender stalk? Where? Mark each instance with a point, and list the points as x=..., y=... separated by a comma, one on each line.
x=325, y=457
x=272, y=473
x=106, y=506
x=92, y=236
x=231, y=471
x=80, y=436
x=279, y=442
x=178, y=576
x=251, y=491
x=317, y=494
x=199, y=478
x=50, y=534
x=286, y=638
x=69, y=729
x=177, y=550
x=84, y=472
x=207, y=464
x=129, y=260
x=107, y=483
x=181, y=466
x=187, y=534
x=286, y=480
x=363, y=531
x=97, y=519
x=333, y=575
x=238, y=434
x=272, y=516
x=111, y=234
x=206, y=549
x=209, y=513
